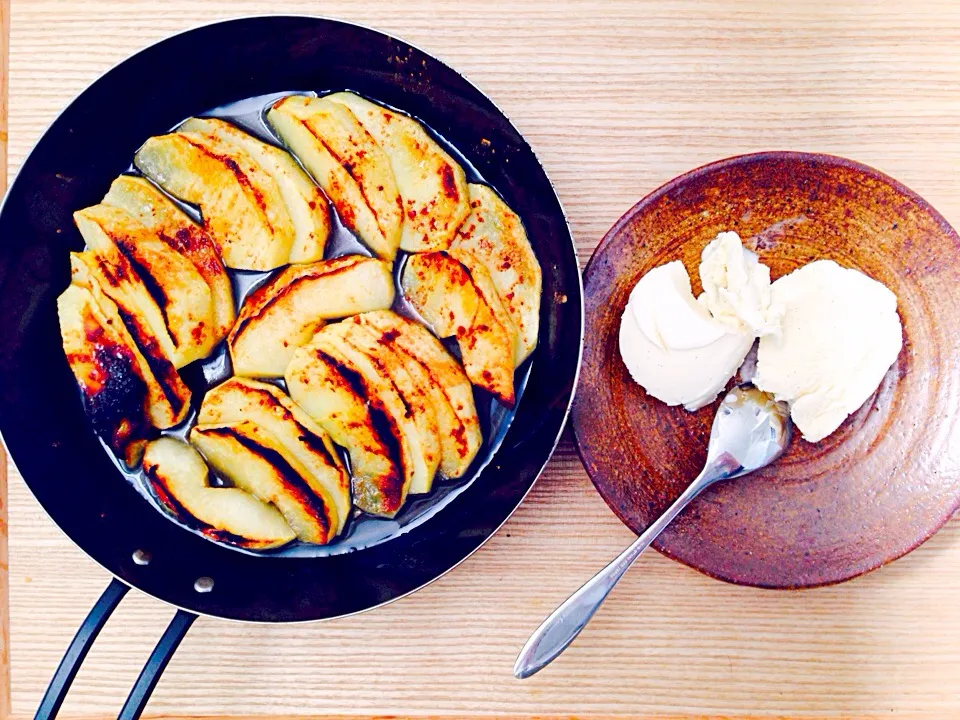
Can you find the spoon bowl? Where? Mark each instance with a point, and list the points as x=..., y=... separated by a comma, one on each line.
x=751, y=427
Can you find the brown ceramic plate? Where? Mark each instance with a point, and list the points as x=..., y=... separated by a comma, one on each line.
x=829, y=511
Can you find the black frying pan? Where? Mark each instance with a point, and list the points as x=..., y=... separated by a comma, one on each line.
x=41, y=417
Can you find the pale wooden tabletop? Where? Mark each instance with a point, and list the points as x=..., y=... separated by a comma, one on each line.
x=616, y=98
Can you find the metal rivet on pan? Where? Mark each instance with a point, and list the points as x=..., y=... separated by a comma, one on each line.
x=142, y=557
x=203, y=585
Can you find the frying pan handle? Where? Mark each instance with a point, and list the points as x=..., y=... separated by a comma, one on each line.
x=77, y=651
x=83, y=641
x=156, y=664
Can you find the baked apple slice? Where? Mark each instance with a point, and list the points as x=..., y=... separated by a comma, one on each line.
x=441, y=289
x=347, y=163
x=175, y=286
x=181, y=480
x=488, y=293
x=255, y=461
x=284, y=313
x=139, y=198
x=432, y=185
x=305, y=203
x=494, y=235
x=418, y=465
x=241, y=204
x=269, y=407
x=117, y=279
x=442, y=292
x=106, y=363
x=460, y=429
x=337, y=398
x=168, y=398
x=418, y=406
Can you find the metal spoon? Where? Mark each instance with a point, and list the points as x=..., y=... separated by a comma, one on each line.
x=749, y=432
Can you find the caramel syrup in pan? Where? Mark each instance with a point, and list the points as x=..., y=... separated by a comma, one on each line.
x=362, y=530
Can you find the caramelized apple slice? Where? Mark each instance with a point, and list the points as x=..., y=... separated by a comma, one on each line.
x=417, y=405
x=104, y=360
x=347, y=163
x=337, y=398
x=241, y=204
x=120, y=282
x=443, y=292
x=488, y=292
x=181, y=480
x=254, y=460
x=494, y=235
x=180, y=293
x=269, y=407
x=283, y=314
x=432, y=185
x=418, y=466
x=160, y=216
x=460, y=429
x=168, y=398
x=305, y=203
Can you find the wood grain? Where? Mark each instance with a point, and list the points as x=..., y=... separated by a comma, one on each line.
x=150, y=716
x=616, y=98
x=5, y=701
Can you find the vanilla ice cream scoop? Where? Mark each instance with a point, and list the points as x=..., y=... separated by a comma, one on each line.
x=683, y=350
x=736, y=287
x=840, y=335
x=672, y=346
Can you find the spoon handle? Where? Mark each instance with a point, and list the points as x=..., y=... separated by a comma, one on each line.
x=565, y=623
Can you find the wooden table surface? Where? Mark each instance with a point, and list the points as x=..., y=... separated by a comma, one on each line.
x=616, y=98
